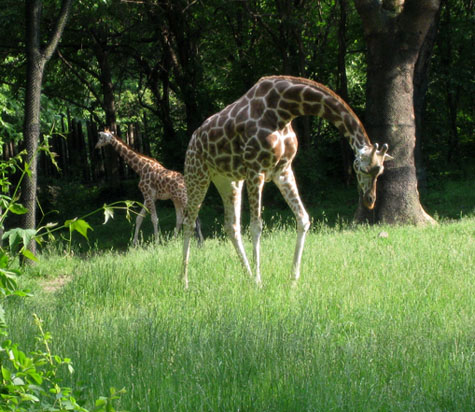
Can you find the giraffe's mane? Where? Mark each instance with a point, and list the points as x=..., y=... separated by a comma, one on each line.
x=151, y=159
x=324, y=89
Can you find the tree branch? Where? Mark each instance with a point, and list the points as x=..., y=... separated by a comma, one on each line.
x=81, y=78
x=33, y=17
x=60, y=24
x=418, y=15
x=371, y=14
x=420, y=8
x=394, y=6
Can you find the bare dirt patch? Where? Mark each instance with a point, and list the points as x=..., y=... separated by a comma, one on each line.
x=53, y=285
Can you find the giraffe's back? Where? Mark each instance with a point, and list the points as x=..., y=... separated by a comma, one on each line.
x=251, y=133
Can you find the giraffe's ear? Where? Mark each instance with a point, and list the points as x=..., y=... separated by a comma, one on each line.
x=384, y=152
x=106, y=130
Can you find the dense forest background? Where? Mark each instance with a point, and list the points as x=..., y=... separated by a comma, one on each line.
x=155, y=69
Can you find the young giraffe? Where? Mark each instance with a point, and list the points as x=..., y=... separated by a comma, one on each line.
x=156, y=183
x=252, y=140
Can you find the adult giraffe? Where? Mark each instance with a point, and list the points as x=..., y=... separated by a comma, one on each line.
x=252, y=140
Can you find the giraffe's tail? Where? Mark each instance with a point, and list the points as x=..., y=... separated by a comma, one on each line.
x=198, y=233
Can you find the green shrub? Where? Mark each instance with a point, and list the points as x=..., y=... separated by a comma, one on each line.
x=30, y=381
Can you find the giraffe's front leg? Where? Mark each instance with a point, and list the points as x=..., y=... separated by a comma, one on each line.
x=288, y=187
x=138, y=223
x=150, y=204
x=255, y=184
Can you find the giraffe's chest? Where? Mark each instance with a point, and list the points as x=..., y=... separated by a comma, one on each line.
x=271, y=154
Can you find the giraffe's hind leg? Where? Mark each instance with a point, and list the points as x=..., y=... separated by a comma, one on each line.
x=138, y=224
x=150, y=204
x=288, y=187
x=196, y=193
x=179, y=212
x=198, y=233
x=254, y=185
x=230, y=192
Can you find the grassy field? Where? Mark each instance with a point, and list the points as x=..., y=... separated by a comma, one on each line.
x=375, y=323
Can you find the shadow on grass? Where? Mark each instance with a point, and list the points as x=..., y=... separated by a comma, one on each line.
x=329, y=207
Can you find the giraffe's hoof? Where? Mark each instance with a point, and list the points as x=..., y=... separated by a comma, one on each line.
x=185, y=284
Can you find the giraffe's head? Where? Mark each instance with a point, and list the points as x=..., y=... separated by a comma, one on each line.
x=368, y=166
x=105, y=138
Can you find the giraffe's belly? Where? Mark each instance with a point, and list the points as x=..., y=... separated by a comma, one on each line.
x=241, y=167
x=231, y=166
x=163, y=195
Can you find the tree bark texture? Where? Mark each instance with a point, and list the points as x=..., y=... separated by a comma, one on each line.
x=36, y=58
x=113, y=162
x=342, y=90
x=421, y=83
x=395, y=31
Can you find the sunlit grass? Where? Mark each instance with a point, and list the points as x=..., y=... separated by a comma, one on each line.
x=375, y=323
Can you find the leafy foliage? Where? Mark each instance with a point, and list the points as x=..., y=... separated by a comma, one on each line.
x=31, y=381
x=170, y=65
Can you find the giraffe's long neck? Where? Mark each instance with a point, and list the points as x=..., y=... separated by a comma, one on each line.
x=134, y=159
x=291, y=97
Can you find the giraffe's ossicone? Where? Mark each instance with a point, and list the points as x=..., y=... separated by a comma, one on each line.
x=252, y=141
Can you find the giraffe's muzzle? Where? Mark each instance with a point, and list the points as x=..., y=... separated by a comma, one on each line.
x=369, y=199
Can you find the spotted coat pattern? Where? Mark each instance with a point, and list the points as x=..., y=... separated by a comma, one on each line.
x=156, y=182
x=252, y=140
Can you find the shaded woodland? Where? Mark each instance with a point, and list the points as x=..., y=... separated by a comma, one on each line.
x=153, y=70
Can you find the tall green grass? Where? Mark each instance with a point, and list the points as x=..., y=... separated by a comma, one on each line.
x=374, y=324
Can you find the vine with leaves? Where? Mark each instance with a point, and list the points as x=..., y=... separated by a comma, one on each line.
x=30, y=381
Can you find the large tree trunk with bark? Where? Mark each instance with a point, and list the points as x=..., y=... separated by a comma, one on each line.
x=31, y=134
x=421, y=83
x=395, y=31
x=111, y=158
x=342, y=90
x=36, y=58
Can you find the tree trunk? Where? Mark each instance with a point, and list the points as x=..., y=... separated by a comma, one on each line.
x=31, y=135
x=342, y=90
x=421, y=83
x=395, y=31
x=452, y=89
x=36, y=59
x=111, y=158
x=97, y=166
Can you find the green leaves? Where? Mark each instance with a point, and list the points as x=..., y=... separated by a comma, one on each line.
x=19, y=239
x=8, y=283
x=78, y=225
x=30, y=381
x=17, y=209
x=18, y=236
x=29, y=255
x=105, y=404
